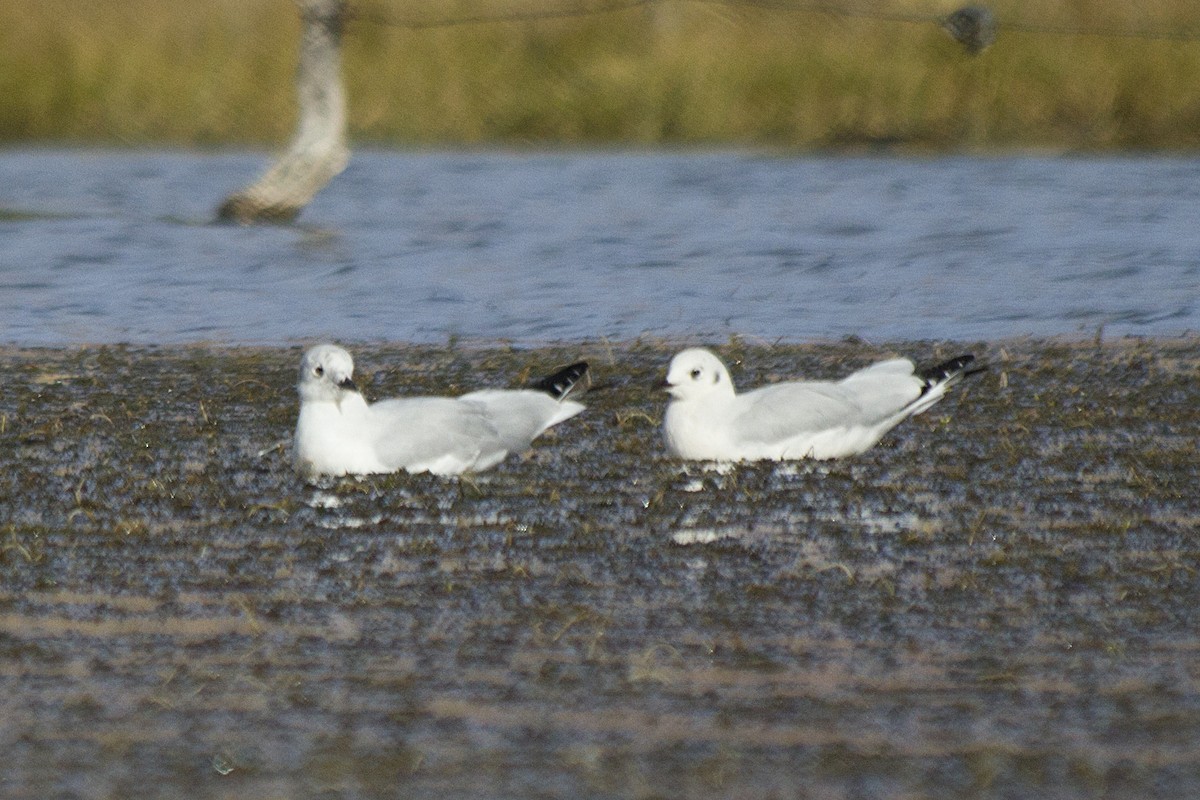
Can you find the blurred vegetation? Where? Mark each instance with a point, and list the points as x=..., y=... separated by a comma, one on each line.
x=677, y=72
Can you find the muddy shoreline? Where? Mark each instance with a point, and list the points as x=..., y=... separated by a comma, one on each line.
x=998, y=601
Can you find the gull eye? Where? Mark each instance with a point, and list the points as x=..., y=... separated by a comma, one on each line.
x=318, y=370
x=696, y=374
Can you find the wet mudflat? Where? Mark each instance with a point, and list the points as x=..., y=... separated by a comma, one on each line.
x=998, y=601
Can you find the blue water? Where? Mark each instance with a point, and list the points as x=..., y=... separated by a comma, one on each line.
x=102, y=246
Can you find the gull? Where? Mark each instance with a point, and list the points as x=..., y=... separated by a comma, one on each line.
x=708, y=420
x=339, y=433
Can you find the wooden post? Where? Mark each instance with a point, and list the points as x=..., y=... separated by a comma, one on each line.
x=318, y=151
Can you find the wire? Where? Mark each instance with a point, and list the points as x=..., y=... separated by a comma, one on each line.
x=1160, y=34
x=413, y=23
x=973, y=26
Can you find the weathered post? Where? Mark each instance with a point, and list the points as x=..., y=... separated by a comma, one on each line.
x=318, y=151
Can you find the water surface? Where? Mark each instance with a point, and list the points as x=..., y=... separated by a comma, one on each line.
x=100, y=246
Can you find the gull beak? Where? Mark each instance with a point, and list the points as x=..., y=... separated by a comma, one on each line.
x=346, y=385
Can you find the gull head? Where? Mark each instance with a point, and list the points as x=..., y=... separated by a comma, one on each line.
x=326, y=374
x=697, y=373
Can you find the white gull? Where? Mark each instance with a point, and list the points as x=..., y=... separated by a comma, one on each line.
x=708, y=420
x=339, y=433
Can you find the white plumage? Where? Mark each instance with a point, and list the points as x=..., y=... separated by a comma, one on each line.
x=708, y=420
x=339, y=433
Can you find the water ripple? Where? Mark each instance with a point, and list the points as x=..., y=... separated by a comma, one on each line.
x=104, y=247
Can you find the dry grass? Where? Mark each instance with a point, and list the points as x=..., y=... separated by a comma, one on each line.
x=168, y=71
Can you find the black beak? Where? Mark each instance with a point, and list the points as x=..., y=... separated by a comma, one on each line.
x=347, y=383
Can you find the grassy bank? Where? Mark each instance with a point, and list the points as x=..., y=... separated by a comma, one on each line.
x=175, y=72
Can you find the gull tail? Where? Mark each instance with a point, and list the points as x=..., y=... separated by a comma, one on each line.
x=565, y=381
x=937, y=379
x=948, y=373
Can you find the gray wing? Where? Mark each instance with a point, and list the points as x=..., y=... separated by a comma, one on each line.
x=865, y=398
x=417, y=430
x=520, y=415
x=774, y=413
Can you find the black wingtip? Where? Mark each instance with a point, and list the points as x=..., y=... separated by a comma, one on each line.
x=952, y=370
x=561, y=383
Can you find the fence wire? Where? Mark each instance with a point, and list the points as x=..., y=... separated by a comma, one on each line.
x=978, y=19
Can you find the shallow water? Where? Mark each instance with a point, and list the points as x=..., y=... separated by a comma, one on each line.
x=997, y=602
x=115, y=247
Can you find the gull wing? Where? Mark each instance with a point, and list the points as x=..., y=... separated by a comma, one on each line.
x=864, y=399
x=520, y=415
x=417, y=431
